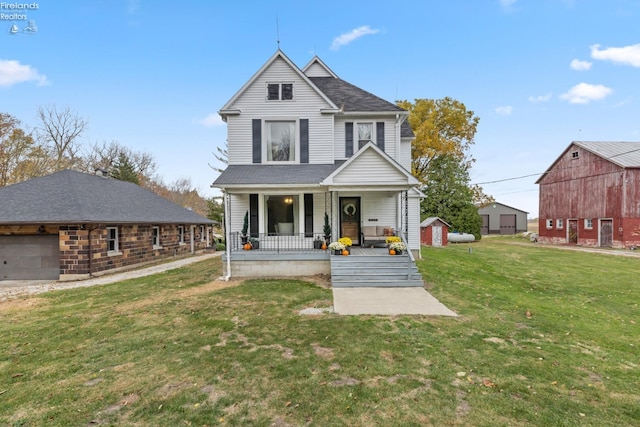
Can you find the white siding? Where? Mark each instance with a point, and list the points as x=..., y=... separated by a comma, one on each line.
x=317, y=70
x=414, y=222
x=405, y=154
x=239, y=204
x=254, y=105
x=370, y=168
x=379, y=208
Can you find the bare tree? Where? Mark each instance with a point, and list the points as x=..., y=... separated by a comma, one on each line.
x=109, y=155
x=222, y=156
x=60, y=130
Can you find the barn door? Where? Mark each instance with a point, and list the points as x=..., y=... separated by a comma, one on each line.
x=573, y=232
x=606, y=233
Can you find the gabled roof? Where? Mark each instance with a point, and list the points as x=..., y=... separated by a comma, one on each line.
x=317, y=61
x=623, y=154
x=428, y=221
x=227, y=108
x=501, y=204
x=370, y=146
x=70, y=197
x=350, y=98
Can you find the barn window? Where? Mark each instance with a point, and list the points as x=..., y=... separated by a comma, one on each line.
x=575, y=155
x=559, y=223
x=549, y=223
x=588, y=223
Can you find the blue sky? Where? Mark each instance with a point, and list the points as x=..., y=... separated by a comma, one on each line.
x=152, y=74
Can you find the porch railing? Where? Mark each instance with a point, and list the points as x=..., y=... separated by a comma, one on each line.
x=411, y=259
x=272, y=242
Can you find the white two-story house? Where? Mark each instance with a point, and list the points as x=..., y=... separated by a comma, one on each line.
x=303, y=143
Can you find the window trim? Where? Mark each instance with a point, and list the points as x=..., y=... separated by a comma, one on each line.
x=356, y=139
x=266, y=139
x=549, y=224
x=280, y=91
x=559, y=224
x=181, y=234
x=202, y=235
x=588, y=223
x=116, y=241
x=155, y=237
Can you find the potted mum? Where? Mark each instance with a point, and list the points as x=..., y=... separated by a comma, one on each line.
x=397, y=247
x=346, y=241
x=392, y=239
x=337, y=247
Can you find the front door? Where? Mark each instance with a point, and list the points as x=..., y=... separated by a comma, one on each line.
x=350, y=218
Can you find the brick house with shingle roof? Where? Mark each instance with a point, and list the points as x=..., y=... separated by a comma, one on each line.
x=70, y=225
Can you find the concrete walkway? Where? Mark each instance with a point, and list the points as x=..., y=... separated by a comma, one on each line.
x=387, y=301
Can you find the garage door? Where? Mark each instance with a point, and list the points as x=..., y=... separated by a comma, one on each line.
x=29, y=257
x=507, y=224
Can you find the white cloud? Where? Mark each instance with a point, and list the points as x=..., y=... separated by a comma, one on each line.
x=211, y=120
x=578, y=65
x=507, y=3
x=12, y=72
x=504, y=111
x=584, y=93
x=627, y=55
x=540, y=98
x=346, y=38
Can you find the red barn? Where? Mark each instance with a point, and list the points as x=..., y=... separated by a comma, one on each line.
x=590, y=196
x=433, y=232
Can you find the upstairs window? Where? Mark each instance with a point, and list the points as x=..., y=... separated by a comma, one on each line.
x=279, y=91
x=281, y=141
x=575, y=155
x=365, y=134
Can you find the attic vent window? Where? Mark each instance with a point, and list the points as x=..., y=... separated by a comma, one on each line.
x=279, y=91
x=575, y=155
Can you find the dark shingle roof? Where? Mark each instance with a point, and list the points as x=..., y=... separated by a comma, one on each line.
x=352, y=98
x=70, y=197
x=300, y=174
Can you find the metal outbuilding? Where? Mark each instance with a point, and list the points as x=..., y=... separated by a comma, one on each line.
x=498, y=218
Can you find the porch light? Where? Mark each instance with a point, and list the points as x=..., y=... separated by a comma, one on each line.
x=288, y=200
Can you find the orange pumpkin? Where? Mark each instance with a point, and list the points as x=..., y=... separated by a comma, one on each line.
x=247, y=246
x=345, y=252
x=324, y=246
x=392, y=251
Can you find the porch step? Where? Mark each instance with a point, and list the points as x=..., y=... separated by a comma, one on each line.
x=374, y=271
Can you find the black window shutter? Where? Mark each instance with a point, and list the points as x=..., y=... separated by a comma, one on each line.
x=348, y=139
x=256, y=125
x=253, y=215
x=304, y=140
x=308, y=215
x=380, y=135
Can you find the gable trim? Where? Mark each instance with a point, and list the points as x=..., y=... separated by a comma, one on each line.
x=279, y=54
x=319, y=61
x=411, y=180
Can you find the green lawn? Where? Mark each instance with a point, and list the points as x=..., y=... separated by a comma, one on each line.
x=544, y=337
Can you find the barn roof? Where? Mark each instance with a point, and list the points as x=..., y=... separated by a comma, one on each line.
x=621, y=153
x=70, y=197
